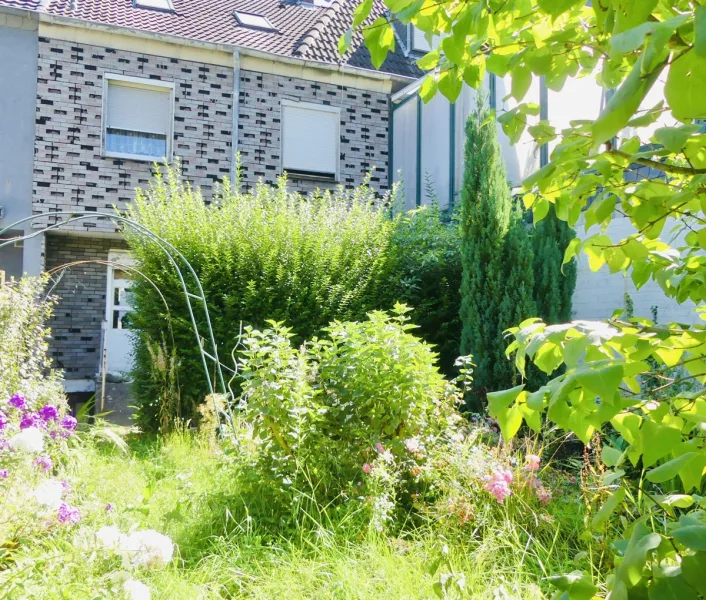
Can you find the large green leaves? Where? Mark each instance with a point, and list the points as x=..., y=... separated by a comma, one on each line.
x=686, y=86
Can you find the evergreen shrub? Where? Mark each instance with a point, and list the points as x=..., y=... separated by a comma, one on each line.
x=268, y=254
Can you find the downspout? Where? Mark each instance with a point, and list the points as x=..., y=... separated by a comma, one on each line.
x=543, y=116
x=452, y=154
x=235, y=110
x=419, y=151
x=390, y=139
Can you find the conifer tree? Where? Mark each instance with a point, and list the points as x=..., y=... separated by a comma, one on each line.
x=497, y=259
x=553, y=289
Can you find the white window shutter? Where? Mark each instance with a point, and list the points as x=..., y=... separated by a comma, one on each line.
x=419, y=41
x=143, y=109
x=310, y=139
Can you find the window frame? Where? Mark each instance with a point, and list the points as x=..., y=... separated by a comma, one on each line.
x=144, y=83
x=267, y=27
x=169, y=9
x=304, y=175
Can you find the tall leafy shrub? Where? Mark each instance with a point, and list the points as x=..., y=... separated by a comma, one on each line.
x=496, y=256
x=24, y=365
x=426, y=258
x=267, y=254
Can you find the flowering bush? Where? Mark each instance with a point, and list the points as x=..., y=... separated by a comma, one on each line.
x=333, y=416
x=41, y=515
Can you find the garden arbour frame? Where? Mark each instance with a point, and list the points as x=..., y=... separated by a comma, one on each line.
x=175, y=257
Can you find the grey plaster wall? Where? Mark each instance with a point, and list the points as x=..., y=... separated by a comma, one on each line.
x=18, y=92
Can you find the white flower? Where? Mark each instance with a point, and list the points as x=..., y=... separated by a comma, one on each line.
x=413, y=445
x=147, y=548
x=387, y=457
x=48, y=493
x=109, y=537
x=29, y=440
x=136, y=590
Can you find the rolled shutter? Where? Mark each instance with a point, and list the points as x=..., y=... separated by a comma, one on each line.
x=143, y=109
x=310, y=139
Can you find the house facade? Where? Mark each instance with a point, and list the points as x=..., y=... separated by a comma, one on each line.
x=103, y=90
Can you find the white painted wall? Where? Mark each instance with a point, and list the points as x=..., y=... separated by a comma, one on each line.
x=598, y=294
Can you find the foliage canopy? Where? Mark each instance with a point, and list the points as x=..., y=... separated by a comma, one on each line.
x=633, y=47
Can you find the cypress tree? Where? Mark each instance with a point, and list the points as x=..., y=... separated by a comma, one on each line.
x=497, y=278
x=553, y=290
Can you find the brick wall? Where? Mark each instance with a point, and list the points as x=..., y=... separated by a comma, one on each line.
x=76, y=324
x=69, y=171
x=364, y=128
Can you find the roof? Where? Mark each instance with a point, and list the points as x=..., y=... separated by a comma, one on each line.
x=302, y=30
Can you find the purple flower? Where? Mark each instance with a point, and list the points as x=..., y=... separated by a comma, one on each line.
x=66, y=487
x=31, y=419
x=3, y=421
x=4, y=445
x=69, y=423
x=4, y=473
x=110, y=507
x=48, y=413
x=68, y=514
x=18, y=401
x=45, y=462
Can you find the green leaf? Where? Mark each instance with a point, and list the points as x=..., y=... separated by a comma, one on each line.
x=634, y=38
x=428, y=88
x=673, y=587
x=672, y=138
x=577, y=584
x=611, y=457
x=700, y=31
x=657, y=441
x=608, y=508
x=361, y=12
x=641, y=543
x=380, y=39
x=521, y=82
x=557, y=7
x=691, y=536
x=685, y=89
x=602, y=382
x=454, y=48
x=450, y=84
x=344, y=42
x=627, y=425
x=429, y=60
x=498, y=401
x=693, y=567
x=624, y=103
x=675, y=501
x=574, y=350
x=670, y=469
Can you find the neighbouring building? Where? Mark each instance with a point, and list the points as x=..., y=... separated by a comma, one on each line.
x=427, y=157
x=102, y=89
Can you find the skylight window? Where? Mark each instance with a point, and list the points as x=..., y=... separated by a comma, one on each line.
x=164, y=5
x=252, y=21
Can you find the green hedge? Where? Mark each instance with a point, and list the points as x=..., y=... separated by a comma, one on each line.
x=267, y=255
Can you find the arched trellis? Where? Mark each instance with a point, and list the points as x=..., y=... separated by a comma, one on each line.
x=174, y=257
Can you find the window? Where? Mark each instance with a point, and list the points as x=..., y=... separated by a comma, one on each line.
x=310, y=139
x=418, y=40
x=137, y=118
x=253, y=21
x=164, y=5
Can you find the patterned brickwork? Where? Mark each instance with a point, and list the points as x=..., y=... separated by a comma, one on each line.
x=76, y=324
x=70, y=172
x=364, y=128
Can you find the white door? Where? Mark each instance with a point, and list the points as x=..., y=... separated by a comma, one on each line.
x=118, y=343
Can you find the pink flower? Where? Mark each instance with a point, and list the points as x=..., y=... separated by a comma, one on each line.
x=533, y=462
x=380, y=448
x=543, y=494
x=367, y=468
x=499, y=484
x=44, y=462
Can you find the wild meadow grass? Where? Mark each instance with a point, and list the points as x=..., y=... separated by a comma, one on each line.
x=182, y=485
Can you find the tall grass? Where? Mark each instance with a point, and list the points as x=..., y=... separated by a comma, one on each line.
x=182, y=485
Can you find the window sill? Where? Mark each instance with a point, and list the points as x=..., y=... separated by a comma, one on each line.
x=136, y=157
x=311, y=177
